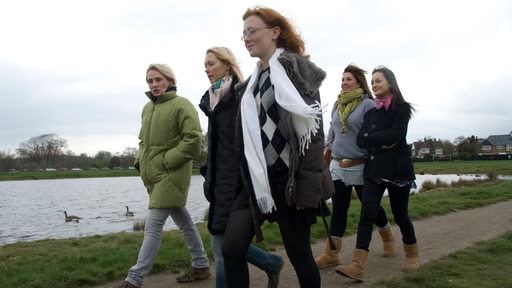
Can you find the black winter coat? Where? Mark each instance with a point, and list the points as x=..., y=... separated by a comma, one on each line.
x=384, y=135
x=219, y=187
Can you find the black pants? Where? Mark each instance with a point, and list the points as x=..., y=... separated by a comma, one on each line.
x=399, y=200
x=340, y=204
x=295, y=229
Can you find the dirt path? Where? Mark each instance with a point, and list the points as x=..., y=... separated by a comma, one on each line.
x=437, y=237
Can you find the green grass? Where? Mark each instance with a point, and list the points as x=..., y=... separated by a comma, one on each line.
x=37, y=175
x=81, y=262
x=486, y=265
x=498, y=167
x=88, y=261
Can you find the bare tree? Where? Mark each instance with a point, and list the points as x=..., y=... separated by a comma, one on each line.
x=115, y=161
x=459, y=140
x=448, y=148
x=43, y=150
x=128, y=156
x=7, y=160
x=130, y=152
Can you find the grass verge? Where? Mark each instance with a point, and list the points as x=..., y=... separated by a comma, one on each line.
x=498, y=167
x=89, y=261
x=486, y=264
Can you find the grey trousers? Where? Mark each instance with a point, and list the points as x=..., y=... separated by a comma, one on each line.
x=153, y=236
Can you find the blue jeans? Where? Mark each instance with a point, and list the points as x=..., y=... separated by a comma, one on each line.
x=260, y=258
x=153, y=236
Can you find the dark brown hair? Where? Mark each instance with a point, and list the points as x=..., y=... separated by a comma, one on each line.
x=360, y=77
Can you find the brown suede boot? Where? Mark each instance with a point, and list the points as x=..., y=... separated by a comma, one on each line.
x=412, y=260
x=356, y=269
x=329, y=257
x=388, y=241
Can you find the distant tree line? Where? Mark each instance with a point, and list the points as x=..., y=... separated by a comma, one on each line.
x=50, y=151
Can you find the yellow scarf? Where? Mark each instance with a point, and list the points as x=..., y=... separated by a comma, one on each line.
x=347, y=103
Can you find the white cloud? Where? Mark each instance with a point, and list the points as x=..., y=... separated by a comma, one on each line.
x=77, y=68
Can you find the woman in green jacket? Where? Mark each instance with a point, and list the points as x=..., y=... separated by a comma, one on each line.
x=170, y=137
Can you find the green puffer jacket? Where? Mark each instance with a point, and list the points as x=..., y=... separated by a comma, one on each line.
x=170, y=137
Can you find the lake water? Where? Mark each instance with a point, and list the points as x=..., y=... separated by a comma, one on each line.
x=34, y=209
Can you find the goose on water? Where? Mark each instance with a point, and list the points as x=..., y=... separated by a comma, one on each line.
x=71, y=217
x=128, y=212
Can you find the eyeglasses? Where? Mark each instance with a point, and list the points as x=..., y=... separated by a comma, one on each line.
x=251, y=31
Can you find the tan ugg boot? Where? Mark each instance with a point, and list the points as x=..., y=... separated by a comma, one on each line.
x=388, y=241
x=329, y=257
x=356, y=269
x=412, y=260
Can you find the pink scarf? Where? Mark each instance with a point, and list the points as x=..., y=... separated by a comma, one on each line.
x=383, y=102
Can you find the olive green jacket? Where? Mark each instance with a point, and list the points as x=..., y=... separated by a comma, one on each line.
x=170, y=137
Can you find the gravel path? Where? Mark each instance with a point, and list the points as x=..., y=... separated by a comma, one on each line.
x=437, y=237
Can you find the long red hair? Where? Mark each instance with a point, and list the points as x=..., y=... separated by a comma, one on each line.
x=289, y=39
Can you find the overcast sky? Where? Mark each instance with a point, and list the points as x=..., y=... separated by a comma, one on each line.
x=77, y=68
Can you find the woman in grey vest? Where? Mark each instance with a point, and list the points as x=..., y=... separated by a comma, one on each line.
x=348, y=161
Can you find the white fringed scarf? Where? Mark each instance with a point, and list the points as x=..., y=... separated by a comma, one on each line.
x=305, y=119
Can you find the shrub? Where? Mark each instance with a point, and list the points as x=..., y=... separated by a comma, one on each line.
x=139, y=224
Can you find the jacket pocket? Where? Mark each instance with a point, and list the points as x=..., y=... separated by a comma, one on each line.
x=155, y=170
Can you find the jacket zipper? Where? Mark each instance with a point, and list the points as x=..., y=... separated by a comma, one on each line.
x=146, y=150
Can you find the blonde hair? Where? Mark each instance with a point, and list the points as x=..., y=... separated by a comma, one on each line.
x=165, y=70
x=227, y=57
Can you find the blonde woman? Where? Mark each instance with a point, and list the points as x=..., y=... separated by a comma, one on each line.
x=170, y=137
x=219, y=105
